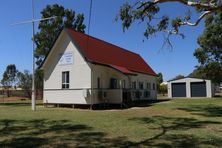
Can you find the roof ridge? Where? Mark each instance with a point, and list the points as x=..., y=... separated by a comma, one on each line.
x=103, y=41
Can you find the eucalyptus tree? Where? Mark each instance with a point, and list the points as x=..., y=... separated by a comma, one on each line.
x=148, y=12
x=50, y=29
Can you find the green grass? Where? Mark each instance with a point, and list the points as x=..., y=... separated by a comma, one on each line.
x=173, y=123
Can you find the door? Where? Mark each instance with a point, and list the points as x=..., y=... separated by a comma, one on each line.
x=178, y=89
x=198, y=89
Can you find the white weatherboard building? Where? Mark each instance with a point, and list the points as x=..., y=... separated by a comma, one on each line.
x=190, y=88
x=81, y=69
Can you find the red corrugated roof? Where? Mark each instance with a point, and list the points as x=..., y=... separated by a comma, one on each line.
x=123, y=69
x=98, y=51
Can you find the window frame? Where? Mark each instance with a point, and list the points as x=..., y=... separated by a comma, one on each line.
x=65, y=80
x=113, y=83
x=148, y=85
x=134, y=85
x=154, y=86
x=141, y=85
x=123, y=84
x=98, y=83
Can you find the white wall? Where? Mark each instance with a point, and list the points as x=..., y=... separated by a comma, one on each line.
x=188, y=87
x=106, y=73
x=80, y=74
x=146, y=79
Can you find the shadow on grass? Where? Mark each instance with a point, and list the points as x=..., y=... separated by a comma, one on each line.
x=206, y=111
x=168, y=126
x=130, y=104
x=18, y=103
x=15, y=104
x=64, y=133
x=44, y=133
x=145, y=103
x=139, y=103
x=36, y=132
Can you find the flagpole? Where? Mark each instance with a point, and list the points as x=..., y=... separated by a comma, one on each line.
x=33, y=60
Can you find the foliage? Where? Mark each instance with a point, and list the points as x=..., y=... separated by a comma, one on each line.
x=177, y=77
x=148, y=12
x=209, y=54
x=159, y=80
x=213, y=71
x=50, y=29
x=39, y=79
x=127, y=14
x=9, y=76
x=198, y=73
x=162, y=89
x=25, y=81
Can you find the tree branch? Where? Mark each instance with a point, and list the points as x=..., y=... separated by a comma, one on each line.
x=198, y=20
x=207, y=5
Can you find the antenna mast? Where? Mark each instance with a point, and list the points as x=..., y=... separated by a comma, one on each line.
x=33, y=50
x=33, y=60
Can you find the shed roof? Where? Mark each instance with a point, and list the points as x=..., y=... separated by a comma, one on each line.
x=187, y=78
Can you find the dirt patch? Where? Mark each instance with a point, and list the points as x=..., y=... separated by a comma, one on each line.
x=11, y=99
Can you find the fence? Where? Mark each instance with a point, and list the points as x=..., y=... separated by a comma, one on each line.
x=20, y=93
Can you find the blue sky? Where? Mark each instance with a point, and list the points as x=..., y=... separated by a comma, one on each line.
x=16, y=44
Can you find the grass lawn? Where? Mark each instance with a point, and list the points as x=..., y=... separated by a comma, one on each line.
x=174, y=123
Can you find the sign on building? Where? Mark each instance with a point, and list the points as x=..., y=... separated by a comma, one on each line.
x=66, y=59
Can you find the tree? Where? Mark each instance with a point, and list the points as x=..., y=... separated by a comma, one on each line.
x=198, y=73
x=162, y=89
x=38, y=81
x=49, y=30
x=178, y=77
x=148, y=11
x=25, y=82
x=209, y=54
x=159, y=80
x=9, y=77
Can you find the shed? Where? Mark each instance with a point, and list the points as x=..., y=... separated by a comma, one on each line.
x=190, y=88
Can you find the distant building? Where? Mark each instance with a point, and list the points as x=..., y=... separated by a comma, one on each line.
x=163, y=83
x=81, y=69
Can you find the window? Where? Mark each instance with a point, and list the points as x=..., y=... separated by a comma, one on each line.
x=137, y=94
x=141, y=85
x=154, y=86
x=148, y=86
x=98, y=82
x=147, y=94
x=140, y=94
x=124, y=84
x=113, y=83
x=65, y=80
x=134, y=85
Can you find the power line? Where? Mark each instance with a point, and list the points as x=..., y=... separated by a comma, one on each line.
x=90, y=16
